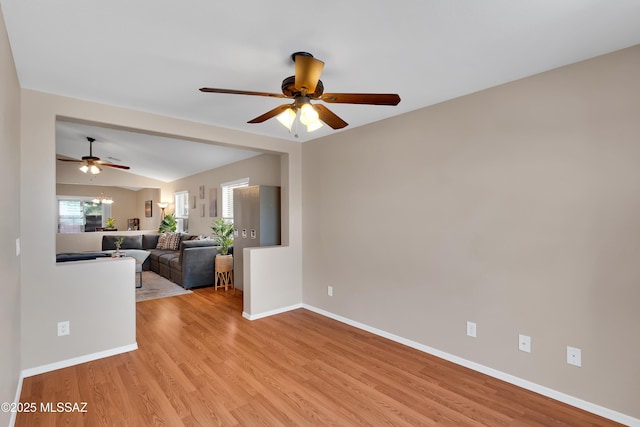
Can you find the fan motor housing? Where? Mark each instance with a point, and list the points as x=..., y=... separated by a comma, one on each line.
x=289, y=88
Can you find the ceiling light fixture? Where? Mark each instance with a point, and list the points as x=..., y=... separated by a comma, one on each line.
x=308, y=117
x=287, y=117
x=90, y=167
x=102, y=199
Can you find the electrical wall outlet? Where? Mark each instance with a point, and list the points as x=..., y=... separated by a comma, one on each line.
x=471, y=329
x=574, y=356
x=64, y=328
x=524, y=343
x=330, y=291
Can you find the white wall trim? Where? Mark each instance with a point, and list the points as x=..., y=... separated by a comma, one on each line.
x=77, y=360
x=16, y=400
x=271, y=312
x=545, y=391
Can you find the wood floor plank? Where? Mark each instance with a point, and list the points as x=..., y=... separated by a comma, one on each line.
x=200, y=363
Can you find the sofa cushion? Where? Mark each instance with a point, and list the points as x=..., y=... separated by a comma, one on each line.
x=129, y=242
x=150, y=241
x=167, y=257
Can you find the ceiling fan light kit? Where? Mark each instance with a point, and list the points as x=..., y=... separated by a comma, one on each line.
x=90, y=168
x=304, y=87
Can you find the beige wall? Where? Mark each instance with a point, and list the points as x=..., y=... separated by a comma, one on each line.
x=152, y=222
x=517, y=208
x=50, y=286
x=263, y=169
x=10, y=224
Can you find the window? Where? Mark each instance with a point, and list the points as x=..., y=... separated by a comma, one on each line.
x=78, y=214
x=227, y=196
x=182, y=211
x=182, y=204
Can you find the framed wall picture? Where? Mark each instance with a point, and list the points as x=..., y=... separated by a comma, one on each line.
x=213, y=202
x=193, y=202
x=148, y=208
x=202, y=210
x=202, y=192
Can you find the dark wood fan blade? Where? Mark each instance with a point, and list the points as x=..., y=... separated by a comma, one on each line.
x=362, y=98
x=242, y=92
x=112, y=165
x=71, y=160
x=270, y=114
x=329, y=117
x=308, y=71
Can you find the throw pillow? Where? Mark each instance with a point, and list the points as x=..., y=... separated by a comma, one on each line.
x=173, y=241
x=162, y=242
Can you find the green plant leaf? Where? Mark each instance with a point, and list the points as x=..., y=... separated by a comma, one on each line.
x=223, y=234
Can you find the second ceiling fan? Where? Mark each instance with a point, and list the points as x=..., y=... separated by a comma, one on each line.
x=91, y=163
x=304, y=87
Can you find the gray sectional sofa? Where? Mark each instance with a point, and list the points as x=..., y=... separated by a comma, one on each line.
x=191, y=266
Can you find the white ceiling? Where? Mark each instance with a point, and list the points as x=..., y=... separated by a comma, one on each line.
x=154, y=55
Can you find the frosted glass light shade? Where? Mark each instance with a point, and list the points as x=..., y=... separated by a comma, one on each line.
x=287, y=117
x=314, y=126
x=308, y=114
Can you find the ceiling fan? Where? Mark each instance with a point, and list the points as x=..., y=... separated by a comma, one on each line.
x=92, y=164
x=304, y=87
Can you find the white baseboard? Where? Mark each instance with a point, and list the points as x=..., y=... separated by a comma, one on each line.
x=270, y=313
x=16, y=400
x=545, y=391
x=77, y=360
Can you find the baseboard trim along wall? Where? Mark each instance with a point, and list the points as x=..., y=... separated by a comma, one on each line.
x=16, y=400
x=77, y=360
x=270, y=313
x=545, y=391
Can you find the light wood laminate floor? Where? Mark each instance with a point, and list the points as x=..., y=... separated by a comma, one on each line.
x=200, y=363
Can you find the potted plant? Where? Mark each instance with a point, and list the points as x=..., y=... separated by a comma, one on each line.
x=110, y=223
x=223, y=234
x=118, y=243
x=168, y=224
